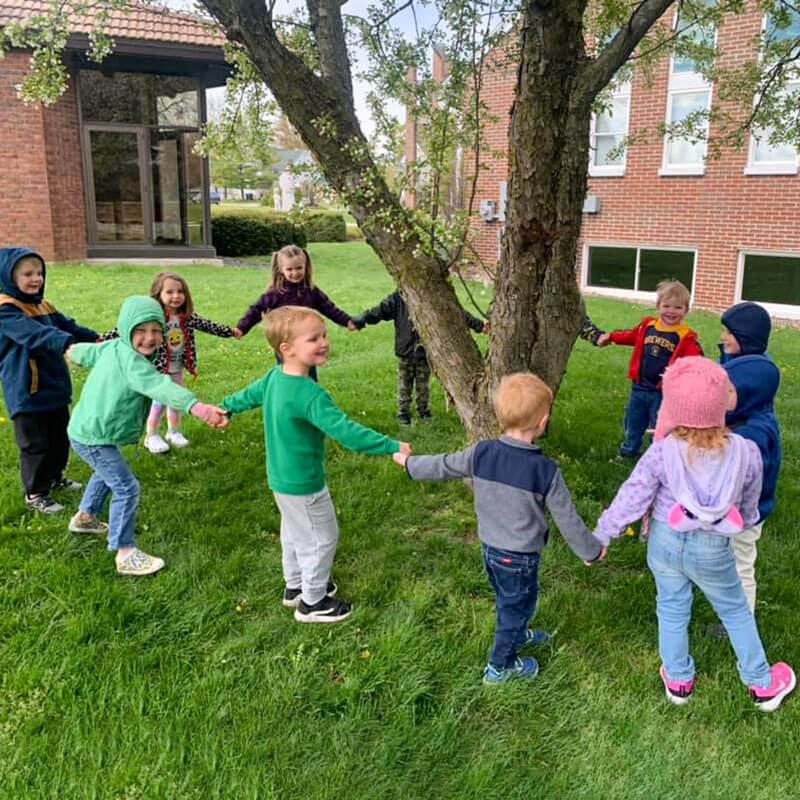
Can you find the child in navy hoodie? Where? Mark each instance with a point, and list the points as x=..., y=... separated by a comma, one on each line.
x=36, y=383
x=755, y=377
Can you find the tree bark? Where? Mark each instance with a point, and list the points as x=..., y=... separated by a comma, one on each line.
x=537, y=308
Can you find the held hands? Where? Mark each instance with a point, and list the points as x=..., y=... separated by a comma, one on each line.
x=601, y=557
x=237, y=333
x=604, y=340
x=402, y=455
x=351, y=326
x=213, y=416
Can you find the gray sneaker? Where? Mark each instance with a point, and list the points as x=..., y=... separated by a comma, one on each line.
x=66, y=484
x=139, y=563
x=44, y=504
x=87, y=524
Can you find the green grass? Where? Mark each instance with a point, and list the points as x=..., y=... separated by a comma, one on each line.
x=197, y=683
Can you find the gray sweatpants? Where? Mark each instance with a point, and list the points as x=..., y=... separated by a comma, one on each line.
x=309, y=533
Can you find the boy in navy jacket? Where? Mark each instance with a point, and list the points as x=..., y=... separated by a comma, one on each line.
x=514, y=484
x=755, y=377
x=35, y=377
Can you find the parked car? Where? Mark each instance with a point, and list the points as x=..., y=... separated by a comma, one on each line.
x=214, y=196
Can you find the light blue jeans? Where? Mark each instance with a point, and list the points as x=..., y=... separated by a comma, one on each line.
x=680, y=560
x=111, y=474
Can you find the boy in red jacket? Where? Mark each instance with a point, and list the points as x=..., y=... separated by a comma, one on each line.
x=657, y=342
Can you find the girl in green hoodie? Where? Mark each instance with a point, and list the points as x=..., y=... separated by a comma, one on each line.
x=111, y=412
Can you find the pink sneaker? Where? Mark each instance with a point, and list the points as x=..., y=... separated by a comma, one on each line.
x=678, y=692
x=768, y=698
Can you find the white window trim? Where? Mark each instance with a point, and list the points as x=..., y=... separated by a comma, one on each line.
x=632, y=294
x=754, y=167
x=610, y=170
x=779, y=310
x=683, y=83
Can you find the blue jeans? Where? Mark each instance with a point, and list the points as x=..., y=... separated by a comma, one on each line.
x=679, y=560
x=515, y=580
x=640, y=414
x=111, y=475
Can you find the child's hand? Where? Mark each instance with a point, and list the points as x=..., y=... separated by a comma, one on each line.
x=405, y=448
x=213, y=416
x=351, y=326
x=601, y=557
x=486, y=327
x=604, y=340
x=68, y=353
x=400, y=458
x=237, y=334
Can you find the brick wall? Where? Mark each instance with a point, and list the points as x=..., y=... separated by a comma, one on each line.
x=65, y=176
x=720, y=213
x=41, y=183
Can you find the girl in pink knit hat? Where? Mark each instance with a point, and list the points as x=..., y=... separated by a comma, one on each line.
x=703, y=483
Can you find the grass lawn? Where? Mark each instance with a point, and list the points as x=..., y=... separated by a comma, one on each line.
x=196, y=683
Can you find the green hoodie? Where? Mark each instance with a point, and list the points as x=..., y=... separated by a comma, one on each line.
x=116, y=397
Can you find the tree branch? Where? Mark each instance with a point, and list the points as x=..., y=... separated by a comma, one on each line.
x=623, y=44
x=328, y=29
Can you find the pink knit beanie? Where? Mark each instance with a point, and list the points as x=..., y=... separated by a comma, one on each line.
x=695, y=393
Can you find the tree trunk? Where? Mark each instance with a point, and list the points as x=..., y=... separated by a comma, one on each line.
x=537, y=308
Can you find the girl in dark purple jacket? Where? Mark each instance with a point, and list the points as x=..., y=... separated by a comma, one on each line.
x=292, y=285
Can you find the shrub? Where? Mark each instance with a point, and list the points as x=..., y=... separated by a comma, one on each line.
x=321, y=227
x=248, y=236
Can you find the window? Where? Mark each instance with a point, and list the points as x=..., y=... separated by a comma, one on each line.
x=637, y=269
x=780, y=158
x=688, y=101
x=772, y=280
x=608, y=131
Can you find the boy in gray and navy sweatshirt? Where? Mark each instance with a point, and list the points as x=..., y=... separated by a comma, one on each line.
x=514, y=484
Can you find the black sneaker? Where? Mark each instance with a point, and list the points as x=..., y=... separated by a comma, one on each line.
x=403, y=418
x=66, y=484
x=291, y=597
x=426, y=414
x=329, y=609
x=44, y=504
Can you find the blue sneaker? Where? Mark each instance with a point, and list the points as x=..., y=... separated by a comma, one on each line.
x=534, y=637
x=521, y=668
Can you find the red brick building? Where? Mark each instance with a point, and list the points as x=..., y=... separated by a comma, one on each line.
x=108, y=171
x=728, y=228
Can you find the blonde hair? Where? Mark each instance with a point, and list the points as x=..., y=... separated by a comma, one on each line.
x=158, y=285
x=702, y=439
x=281, y=323
x=290, y=251
x=521, y=400
x=672, y=289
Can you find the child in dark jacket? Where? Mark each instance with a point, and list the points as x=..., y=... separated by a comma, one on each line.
x=657, y=342
x=514, y=484
x=412, y=363
x=292, y=285
x=755, y=377
x=36, y=382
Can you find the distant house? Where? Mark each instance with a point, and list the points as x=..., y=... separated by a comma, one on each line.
x=109, y=171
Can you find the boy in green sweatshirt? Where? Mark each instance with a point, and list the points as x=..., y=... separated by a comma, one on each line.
x=111, y=412
x=298, y=413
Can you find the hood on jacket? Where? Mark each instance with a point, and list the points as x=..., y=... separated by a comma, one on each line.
x=707, y=484
x=751, y=326
x=756, y=380
x=9, y=258
x=136, y=310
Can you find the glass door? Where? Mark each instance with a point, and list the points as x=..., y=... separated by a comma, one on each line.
x=119, y=207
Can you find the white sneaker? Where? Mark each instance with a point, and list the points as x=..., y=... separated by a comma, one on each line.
x=155, y=444
x=177, y=439
x=139, y=563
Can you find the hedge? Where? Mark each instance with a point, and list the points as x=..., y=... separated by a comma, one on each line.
x=247, y=236
x=325, y=228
